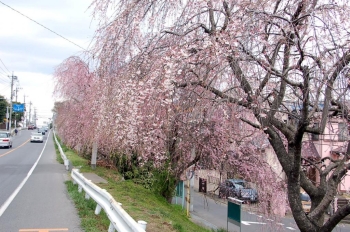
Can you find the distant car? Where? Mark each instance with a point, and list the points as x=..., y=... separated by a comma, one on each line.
x=41, y=130
x=46, y=128
x=305, y=202
x=36, y=137
x=229, y=188
x=31, y=127
x=5, y=139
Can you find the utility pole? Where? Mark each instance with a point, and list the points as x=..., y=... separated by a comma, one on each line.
x=17, y=88
x=25, y=123
x=7, y=117
x=30, y=112
x=34, y=118
x=10, y=119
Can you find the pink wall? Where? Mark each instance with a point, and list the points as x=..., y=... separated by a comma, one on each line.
x=329, y=142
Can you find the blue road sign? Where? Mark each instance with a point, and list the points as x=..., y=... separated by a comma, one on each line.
x=18, y=107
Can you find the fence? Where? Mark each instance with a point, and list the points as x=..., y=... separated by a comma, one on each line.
x=64, y=157
x=120, y=220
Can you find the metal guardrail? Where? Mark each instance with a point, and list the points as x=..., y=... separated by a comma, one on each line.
x=64, y=157
x=120, y=220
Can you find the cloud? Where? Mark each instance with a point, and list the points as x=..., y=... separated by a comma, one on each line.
x=32, y=52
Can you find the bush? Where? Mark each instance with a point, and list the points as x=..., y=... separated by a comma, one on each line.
x=164, y=183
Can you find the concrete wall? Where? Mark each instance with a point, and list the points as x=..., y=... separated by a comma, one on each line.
x=212, y=177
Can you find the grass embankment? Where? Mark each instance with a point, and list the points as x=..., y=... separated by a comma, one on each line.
x=138, y=202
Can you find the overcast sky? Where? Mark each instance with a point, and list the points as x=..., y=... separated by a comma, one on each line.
x=31, y=52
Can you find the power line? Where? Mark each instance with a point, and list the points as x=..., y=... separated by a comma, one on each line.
x=2, y=73
x=4, y=78
x=4, y=88
x=2, y=81
x=4, y=66
x=43, y=26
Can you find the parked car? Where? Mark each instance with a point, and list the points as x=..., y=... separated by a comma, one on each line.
x=36, y=137
x=31, y=127
x=238, y=188
x=41, y=130
x=230, y=188
x=5, y=139
x=249, y=194
x=306, y=202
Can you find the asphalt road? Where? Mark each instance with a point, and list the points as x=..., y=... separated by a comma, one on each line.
x=33, y=195
x=212, y=213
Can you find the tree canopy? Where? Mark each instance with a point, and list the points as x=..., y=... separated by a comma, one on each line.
x=185, y=81
x=3, y=108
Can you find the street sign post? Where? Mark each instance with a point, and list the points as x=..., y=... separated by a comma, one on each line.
x=234, y=212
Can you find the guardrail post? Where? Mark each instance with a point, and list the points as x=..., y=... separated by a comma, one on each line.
x=87, y=196
x=80, y=188
x=111, y=227
x=143, y=224
x=66, y=163
x=98, y=209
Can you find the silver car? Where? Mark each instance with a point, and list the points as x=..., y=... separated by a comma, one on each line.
x=36, y=137
x=5, y=139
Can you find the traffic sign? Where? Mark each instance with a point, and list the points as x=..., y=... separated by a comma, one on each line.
x=18, y=107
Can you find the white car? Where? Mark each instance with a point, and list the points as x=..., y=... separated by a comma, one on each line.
x=36, y=137
x=5, y=139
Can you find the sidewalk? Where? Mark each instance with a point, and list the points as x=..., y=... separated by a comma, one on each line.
x=208, y=212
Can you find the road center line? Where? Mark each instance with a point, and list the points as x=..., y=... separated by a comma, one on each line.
x=13, y=149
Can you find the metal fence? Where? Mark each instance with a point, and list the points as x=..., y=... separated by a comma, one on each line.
x=120, y=220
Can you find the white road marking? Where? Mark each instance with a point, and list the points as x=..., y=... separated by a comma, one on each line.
x=290, y=228
x=249, y=223
x=6, y=204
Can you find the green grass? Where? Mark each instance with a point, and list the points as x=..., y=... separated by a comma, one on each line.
x=86, y=210
x=138, y=202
